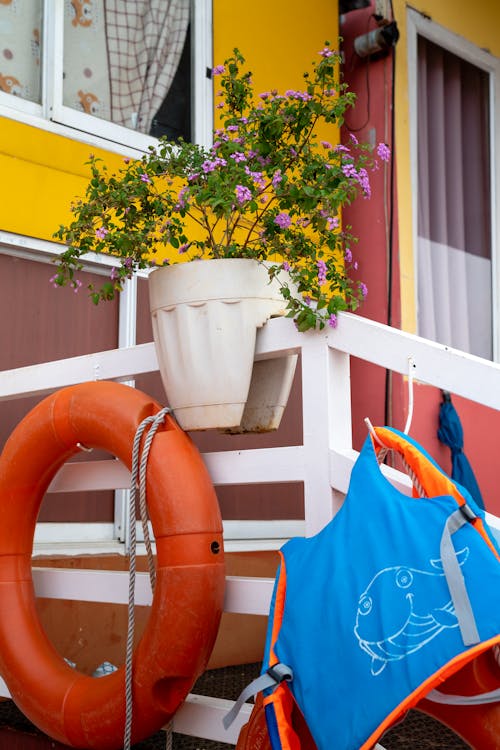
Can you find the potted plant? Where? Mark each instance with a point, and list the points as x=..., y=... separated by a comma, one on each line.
x=266, y=196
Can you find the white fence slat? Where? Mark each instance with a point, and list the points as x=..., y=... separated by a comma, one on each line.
x=115, y=364
x=201, y=716
x=256, y=465
x=323, y=463
x=243, y=595
x=436, y=364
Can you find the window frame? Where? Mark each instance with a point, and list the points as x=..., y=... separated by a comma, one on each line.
x=420, y=25
x=51, y=115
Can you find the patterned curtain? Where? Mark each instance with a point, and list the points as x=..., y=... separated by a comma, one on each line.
x=121, y=57
x=20, y=29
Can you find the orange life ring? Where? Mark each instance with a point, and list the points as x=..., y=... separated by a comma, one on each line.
x=71, y=707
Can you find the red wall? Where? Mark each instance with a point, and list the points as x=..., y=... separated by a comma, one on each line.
x=373, y=394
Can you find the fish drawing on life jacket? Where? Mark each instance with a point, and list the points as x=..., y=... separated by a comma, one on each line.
x=420, y=609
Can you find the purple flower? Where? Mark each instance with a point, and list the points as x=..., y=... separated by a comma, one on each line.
x=332, y=321
x=219, y=105
x=285, y=265
x=238, y=156
x=128, y=262
x=180, y=198
x=277, y=178
x=384, y=151
x=321, y=272
x=292, y=94
x=243, y=194
x=218, y=70
x=114, y=274
x=208, y=166
x=77, y=285
x=325, y=52
x=232, y=128
x=326, y=144
x=348, y=255
x=101, y=232
x=363, y=289
x=307, y=300
x=364, y=181
x=145, y=177
x=265, y=95
x=332, y=222
x=183, y=248
x=349, y=170
x=353, y=138
x=283, y=220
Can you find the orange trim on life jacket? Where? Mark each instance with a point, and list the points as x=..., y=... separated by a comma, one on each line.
x=434, y=481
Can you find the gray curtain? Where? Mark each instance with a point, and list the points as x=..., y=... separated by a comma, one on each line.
x=454, y=220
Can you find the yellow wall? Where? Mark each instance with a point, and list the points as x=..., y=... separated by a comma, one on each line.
x=42, y=172
x=479, y=23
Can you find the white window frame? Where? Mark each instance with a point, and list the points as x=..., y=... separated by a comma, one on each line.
x=51, y=115
x=419, y=25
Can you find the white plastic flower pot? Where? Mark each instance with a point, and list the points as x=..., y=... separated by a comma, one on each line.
x=205, y=317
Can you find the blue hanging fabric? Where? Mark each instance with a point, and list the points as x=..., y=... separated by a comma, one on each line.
x=451, y=434
x=393, y=596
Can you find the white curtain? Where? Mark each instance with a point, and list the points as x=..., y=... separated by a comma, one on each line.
x=454, y=221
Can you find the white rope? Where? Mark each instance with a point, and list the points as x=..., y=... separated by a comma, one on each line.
x=138, y=472
x=411, y=374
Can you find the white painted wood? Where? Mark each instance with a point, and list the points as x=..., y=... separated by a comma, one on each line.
x=257, y=465
x=248, y=595
x=324, y=462
x=450, y=369
x=202, y=716
x=243, y=595
x=316, y=401
x=115, y=364
x=91, y=475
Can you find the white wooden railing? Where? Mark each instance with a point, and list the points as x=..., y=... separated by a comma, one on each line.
x=323, y=462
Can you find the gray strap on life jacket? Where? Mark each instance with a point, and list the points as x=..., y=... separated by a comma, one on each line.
x=454, y=576
x=270, y=679
x=464, y=700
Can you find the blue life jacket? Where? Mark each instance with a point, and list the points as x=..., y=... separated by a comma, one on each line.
x=392, y=597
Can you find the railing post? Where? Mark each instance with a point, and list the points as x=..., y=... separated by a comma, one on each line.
x=326, y=408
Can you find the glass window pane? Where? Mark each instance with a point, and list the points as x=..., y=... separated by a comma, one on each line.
x=121, y=58
x=21, y=35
